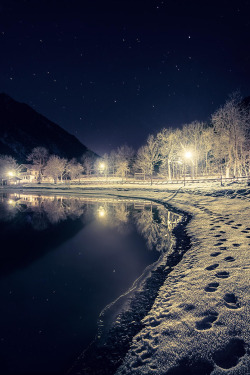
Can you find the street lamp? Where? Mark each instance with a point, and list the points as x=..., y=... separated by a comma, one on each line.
x=11, y=174
x=187, y=156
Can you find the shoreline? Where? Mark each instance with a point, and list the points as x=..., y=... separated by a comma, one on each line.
x=108, y=353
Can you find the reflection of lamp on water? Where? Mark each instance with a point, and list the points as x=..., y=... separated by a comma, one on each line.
x=187, y=156
x=11, y=202
x=101, y=212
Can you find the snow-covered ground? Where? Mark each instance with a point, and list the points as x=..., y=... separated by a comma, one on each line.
x=199, y=323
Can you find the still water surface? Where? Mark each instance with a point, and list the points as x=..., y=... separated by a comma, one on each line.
x=62, y=260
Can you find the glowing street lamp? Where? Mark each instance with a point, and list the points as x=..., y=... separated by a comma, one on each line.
x=11, y=174
x=102, y=167
x=187, y=156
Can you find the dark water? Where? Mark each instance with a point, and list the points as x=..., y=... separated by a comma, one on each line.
x=61, y=262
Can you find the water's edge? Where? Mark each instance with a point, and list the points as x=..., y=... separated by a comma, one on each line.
x=104, y=358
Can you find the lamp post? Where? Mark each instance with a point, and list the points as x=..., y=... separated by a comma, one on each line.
x=187, y=156
x=102, y=167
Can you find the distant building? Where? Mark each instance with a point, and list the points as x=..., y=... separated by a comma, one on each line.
x=28, y=173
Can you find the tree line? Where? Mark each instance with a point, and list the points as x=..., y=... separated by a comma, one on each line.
x=218, y=147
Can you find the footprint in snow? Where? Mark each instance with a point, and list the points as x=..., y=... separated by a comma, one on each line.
x=211, y=287
x=192, y=366
x=229, y=259
x=212, y=267
x=206, y=323
x=229, y=356
x=231, y=301
x=236, y=244
x=218, y=244
x=215, y=254
x=223, y=248
x=222, y=274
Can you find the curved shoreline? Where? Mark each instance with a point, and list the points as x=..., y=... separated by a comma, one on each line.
x=104, y=358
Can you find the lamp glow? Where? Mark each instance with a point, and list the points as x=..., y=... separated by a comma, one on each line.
x=188, y=155
x=101, y=212
x=102, y=166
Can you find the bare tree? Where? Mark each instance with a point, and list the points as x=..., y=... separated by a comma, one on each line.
x=124, y=160
x=169, y=149
x=88, y=162
x=39, y=156
x=231, y=123
x=112, y=161
x=148, y=156
x=207, y=147
x=55, y=167
x=74, y=169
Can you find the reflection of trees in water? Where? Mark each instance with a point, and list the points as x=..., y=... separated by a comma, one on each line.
x=74, y=208
x=8, y=211
x=40, y=212
x=56, y=210
x=121, y=218
x=156, y=227
x=114, y=216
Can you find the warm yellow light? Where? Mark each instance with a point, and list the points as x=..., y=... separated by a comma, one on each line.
x=188, y=155
x=101, y=212
x=10, y=201
x=102, y=166
x=11, y=174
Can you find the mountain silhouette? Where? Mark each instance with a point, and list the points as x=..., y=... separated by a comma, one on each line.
x=22, y=129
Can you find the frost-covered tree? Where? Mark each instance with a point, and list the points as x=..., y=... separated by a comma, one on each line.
x=231, y=124
x=169, y=148
x=148, y=156
x=55, y=167
x=88, y=162
x=39, y=157
x=74, y=169
x=124, y=160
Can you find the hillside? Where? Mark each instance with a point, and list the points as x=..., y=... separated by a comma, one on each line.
x=22, y=129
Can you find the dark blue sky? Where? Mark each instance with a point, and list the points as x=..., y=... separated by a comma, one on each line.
x=112, y=72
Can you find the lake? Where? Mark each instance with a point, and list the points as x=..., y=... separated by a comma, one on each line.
x=63, y=260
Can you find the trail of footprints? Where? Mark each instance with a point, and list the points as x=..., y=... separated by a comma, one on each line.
x=236, y=346
x=230, y=300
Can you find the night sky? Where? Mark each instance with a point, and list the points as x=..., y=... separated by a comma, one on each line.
x=113, y=72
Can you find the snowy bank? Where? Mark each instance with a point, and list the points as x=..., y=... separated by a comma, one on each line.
x=199, y=323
